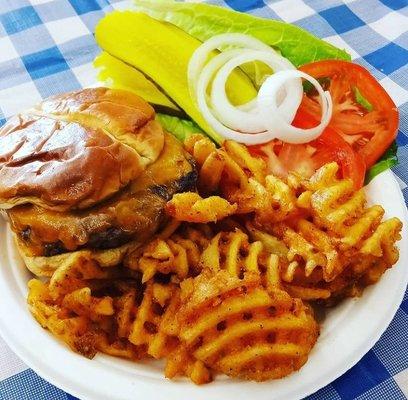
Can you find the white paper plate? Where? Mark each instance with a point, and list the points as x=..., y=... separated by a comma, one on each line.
x=347, y=333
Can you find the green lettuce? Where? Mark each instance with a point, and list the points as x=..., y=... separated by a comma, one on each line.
x=204, y=21
x=182, y=129
x=360, y=99
x=389, y=159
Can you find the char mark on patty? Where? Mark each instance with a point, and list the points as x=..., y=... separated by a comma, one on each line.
x=108, y=239
x=187, y=182
x=54, y=249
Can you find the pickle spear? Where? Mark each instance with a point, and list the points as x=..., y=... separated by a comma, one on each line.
x=116, y=74
x=162, y=53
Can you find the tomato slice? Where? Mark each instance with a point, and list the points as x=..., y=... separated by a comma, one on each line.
x=370, y=130
x=307, y=158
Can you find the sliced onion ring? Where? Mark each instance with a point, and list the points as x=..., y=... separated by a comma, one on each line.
x=274, y=122
x=235, y=117
x=267, y=117
x=201, y=98
x=200, y=56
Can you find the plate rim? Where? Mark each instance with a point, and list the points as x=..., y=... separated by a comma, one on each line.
x=57, y=379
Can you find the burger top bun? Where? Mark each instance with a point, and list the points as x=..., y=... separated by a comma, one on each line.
x=75, y=150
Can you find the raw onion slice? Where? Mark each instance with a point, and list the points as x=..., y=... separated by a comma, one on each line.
x=271, y=113
x=239, y=119
x=251, y=106
x=273, y=119
x=201, y=55
x=208, y=113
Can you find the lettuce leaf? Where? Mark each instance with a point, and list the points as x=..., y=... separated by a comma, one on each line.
x=389, y=159
x=360, y=99
x=182, y=129
x=204, y=21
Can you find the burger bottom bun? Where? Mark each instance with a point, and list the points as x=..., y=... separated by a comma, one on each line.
x=46, y=266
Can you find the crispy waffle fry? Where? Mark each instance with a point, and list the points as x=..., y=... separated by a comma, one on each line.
x=342, y=211
x=309, y=248
x=82, y=321
x=236, y=327
x=317, y=268
x=242, y=179
x=165, y=257
x=356, y=246
x=70, y=277
x=231, y=251
x=70, y=330
x=179, y=254
x=180, y=362
x=155, y=325
x=271, y=243
x=81, y=302
x=191, y=207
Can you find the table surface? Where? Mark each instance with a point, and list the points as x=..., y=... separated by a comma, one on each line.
x=47, y=47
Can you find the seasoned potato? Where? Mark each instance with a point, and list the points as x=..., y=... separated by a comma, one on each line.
x=236, y=327
x=155, y=324
x=232, y=251
x=342, y=246
x=178, y=254
x=181, y=362
x=84, y=322
x=191, y=207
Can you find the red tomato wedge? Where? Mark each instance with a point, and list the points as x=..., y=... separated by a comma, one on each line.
x=307, y=158
x=369, y=130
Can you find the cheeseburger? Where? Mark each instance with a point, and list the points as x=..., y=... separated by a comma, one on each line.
x=87, y=175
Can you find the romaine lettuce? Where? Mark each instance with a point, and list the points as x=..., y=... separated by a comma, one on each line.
x=204, y=21
x=182, y=129
x=389, y=159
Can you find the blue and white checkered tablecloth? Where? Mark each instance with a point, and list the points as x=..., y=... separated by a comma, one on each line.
x=47, y=47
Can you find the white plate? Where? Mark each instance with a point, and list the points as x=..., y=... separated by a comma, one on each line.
x=347, y=333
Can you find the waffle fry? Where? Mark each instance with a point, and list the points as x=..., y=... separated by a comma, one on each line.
x=155, y=325
x=342, y=211
x=82, y=321
x=242, y=179
x=317, y=268
x=236, y=327
x=191, y=207
x=180, y=362
x=70, y=277
x=232, y=252
x=309, y=248
x=178, y=255
x=345, y=238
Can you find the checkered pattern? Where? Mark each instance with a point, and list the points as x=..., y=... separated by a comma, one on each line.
x=47, y=46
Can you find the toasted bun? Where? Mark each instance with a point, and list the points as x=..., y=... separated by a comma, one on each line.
x=75, y=150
